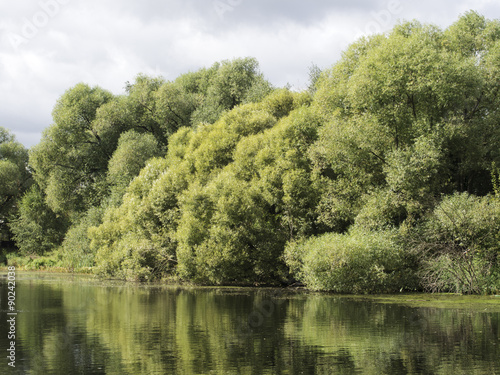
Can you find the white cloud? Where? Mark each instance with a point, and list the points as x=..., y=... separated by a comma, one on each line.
x=108, y=42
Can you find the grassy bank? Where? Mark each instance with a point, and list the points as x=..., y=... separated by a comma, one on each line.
x=52, y=262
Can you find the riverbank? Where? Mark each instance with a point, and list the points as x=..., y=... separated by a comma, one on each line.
x=52, y=263
x=419, y=299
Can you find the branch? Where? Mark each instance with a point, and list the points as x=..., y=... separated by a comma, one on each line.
x=64, y=166
x=378, y=157
x=171, y=110
x=475, y=109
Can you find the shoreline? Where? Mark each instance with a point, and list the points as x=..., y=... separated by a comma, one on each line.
x=414, y=298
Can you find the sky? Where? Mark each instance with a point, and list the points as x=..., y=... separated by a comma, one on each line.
x=48, y=46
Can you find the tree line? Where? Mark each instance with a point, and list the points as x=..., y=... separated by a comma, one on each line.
x=382, y=176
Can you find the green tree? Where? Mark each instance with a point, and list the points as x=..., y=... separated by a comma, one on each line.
x=70, y=162
x=473, y=35
x=251, y=192
x=228, y=84
x=411, y=112
x=15, y=178
x=158, y=107
x=134, y=240
x=226, y=235
x=314, y=75
x=76, y=249
x=99, y=142
x=211, y=208
x=38, y=229
x=133, y=151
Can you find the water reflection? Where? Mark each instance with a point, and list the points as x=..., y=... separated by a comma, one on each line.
x=77, y=325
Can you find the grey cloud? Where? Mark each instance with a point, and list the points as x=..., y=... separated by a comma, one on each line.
x=303, y=12
x=109, y=42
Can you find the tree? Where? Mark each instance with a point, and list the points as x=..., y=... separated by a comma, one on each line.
x=228, y=84
x=158, y=107
x=133, y=151
x=15, y=178
x=222, y=204
x=226, y=234
x=314, y=74
x=414, y=113
x=38, y=229
x=70, y=162
x=234, y=227
x=99, y=142
x=134, y=240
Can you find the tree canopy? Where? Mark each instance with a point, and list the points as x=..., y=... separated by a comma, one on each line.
x=411, y=113
x=15, y=178
x=218, y=177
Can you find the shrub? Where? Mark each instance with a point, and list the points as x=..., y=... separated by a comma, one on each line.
x=38, y=229
x=35, y=262
x=75, y=249
x=461, y=241
x=382, y=209
x=226, y=234
x=355, y=262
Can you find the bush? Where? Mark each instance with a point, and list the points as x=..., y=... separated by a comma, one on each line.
x=134, y=259
x=134, y=239
x=75, y=249
x=38, y=229
x=457, y=274
x=355, y=262
x=35, y=262
x=382, y=209
x=461, y=241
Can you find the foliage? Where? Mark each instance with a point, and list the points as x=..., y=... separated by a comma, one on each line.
x=245, y=215
x=226, y=85
x=131, y=242
x=211, y=176
x=75, y=250
x=133, y=151
x=314, y=74
x=48, y=262
x=71, y=159
x=354, y=262
x=495, y=179
x=411, y=113
x=38, y=229
x=99, y=142
x=462, y=244
x=15, y=178
x=226, y=235
x=158, y=107
x=214, y=207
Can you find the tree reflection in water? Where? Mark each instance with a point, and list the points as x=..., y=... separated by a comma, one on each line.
x=80, y=325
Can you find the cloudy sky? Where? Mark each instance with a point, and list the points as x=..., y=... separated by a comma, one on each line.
x=48, y=46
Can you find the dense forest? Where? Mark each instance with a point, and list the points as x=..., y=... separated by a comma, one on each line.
x=382, y=176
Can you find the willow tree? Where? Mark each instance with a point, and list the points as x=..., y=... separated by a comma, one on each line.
x=222, y=204
x=409, y=115
x=14, y=179
x=70, y=162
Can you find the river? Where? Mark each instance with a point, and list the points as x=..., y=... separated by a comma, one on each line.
x=76, y=324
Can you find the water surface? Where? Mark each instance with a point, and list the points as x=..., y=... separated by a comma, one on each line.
x=69, y=324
